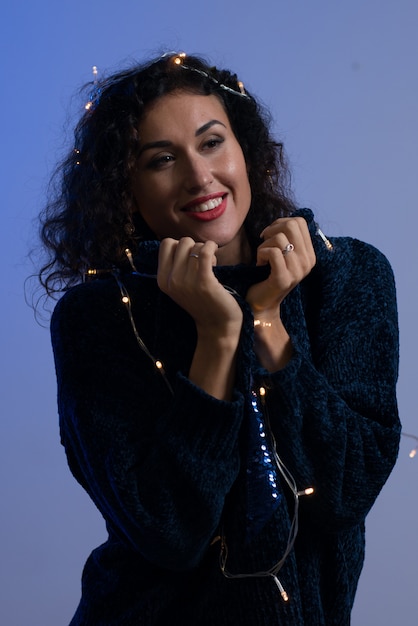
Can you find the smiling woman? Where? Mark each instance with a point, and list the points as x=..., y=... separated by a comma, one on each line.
x=229, y=361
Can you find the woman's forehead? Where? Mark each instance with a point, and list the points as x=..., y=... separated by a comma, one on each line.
x=181, y=109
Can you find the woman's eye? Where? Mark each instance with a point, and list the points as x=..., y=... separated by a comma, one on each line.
x=214, y=142
x=160, y=161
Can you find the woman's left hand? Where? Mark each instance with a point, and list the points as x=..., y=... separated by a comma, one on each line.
x=287, y=248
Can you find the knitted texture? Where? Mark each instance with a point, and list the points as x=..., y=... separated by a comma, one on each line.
x=164, y=469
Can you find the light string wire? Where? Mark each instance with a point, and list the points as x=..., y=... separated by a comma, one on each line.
x=127, y=302
x=294, y=526
x=178, y=59
x=414, y=451
x=95, y=92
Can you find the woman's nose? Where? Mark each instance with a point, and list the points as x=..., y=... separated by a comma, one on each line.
x=198, y=173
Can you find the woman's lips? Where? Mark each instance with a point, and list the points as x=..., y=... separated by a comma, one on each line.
x=207, y=209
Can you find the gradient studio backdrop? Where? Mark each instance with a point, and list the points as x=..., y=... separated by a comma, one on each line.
x=341, y=80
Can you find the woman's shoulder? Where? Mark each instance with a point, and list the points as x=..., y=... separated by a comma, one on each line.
x=84, y=298
x=352, y=260
x=340, y=257
x=102, y=306
x=352, y=282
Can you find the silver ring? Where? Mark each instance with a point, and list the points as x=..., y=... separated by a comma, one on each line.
x=194, y=255
x=289, y=248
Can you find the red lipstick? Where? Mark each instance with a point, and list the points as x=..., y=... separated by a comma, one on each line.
x=208, y=214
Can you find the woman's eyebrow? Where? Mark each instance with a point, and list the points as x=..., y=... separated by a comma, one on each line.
x=154, y=144
x=164, y=143
x=206, y=127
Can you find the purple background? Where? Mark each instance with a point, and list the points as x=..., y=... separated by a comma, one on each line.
x=341, y=81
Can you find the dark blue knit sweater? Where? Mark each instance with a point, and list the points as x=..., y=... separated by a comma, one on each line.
x=167, y=470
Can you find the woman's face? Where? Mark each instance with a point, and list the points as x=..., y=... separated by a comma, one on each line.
x=191, y=177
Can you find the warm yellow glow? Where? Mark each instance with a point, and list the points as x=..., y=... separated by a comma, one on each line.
x=158, y=365
x=125, y=299
x=88, y=105
x=262, y=391
x=413, y=453
x=94, y=69
x=284, y=596
x=262, y=324
x=178, y=60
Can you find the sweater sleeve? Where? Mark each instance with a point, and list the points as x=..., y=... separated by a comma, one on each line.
x=158, y=466
x=333, y=408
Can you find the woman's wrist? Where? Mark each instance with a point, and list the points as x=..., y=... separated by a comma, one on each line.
x=272, y=343
x=213, y=366
x=223, y=335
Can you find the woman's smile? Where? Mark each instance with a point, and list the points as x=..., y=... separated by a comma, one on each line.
x=209, y=208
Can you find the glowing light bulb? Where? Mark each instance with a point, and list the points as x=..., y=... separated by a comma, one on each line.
x=262, y=324
x=125, y=300
x=262, y=391
x=158, y=365
x=306, y=492
x=414, y=451
x=178, y=60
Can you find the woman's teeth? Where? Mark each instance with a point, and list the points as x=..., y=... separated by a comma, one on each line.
x=206, y=206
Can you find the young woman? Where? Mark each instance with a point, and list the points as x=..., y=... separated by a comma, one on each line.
x=226, y=382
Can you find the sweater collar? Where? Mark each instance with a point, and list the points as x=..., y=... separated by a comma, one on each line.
x=239, y=277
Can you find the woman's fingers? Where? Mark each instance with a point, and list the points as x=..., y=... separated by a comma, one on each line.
x=185, y=273
x=290, y=235
x=180, y=260
x=287, y=248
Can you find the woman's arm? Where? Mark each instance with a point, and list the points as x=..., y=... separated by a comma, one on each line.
x=157, y=466
x=185, y=274
x=287, y=248
x=333, y=407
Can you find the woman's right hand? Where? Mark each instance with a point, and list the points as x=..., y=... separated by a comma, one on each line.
x=185, y=273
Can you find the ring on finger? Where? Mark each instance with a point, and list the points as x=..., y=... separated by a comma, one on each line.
x=193, y=255
x=289, y=248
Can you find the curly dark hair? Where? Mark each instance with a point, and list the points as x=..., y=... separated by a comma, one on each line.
x=84, y=225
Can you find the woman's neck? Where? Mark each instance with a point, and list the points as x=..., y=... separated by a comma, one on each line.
x=236, y=252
